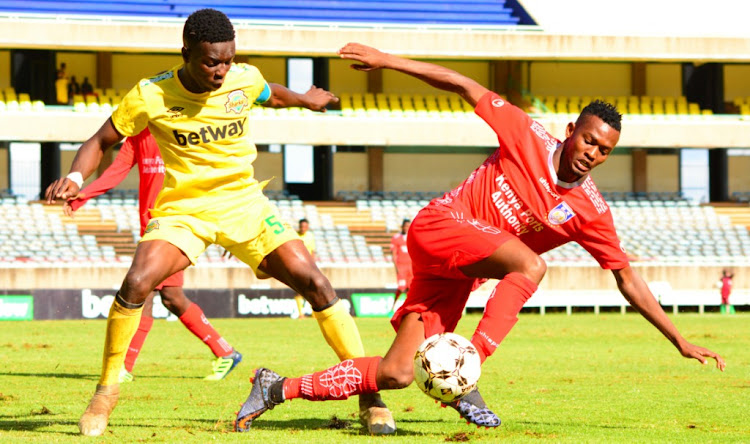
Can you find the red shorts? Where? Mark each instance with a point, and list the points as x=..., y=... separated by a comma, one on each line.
x=440, y=242
x=725, y=296
x=176, y=280
x=404, y=277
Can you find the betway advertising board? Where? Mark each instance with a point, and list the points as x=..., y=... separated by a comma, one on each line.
x=228, y=303
x=15, y=307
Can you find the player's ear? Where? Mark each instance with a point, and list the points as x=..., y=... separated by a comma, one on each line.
x=185, y=54
x=569, y=129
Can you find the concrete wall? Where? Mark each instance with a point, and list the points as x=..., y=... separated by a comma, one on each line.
x=4, y=69
x=663, y=172
x=663, y=79
x=128, y=69
x=739, y=179
x=579, y=79
x=350, y=172
x=736, y=82
x=615, y=174
x=427, y=172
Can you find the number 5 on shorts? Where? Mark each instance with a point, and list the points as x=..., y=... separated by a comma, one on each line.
x=277, y=226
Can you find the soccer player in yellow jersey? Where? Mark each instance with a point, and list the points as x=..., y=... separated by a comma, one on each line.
x=199, y=114
x=308, y=238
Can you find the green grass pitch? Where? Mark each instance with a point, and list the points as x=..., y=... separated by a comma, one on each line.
x=556, y=378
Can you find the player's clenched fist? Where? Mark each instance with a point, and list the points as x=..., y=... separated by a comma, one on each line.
x=370, y=58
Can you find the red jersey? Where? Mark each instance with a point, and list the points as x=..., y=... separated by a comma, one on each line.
x=399, y=251
x=142, y=150
x=517, y=190
x=726, y=285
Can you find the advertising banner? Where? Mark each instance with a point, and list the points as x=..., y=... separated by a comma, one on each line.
x=15, y=307
x=226, y=303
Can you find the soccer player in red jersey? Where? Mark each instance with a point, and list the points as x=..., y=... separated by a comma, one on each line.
x=401, y=260
x=531, y=195
x=726, y=290
x=142, y=150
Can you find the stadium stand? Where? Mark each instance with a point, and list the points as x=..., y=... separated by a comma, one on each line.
x=654, y=227
x=649, y=106
x=448, y=12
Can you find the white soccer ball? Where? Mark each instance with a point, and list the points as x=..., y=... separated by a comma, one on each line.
x=447, y=366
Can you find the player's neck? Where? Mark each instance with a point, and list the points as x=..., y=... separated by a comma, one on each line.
x=187, y=82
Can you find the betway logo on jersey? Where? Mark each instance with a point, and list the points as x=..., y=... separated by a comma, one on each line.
x=209, y=134
x=509, y=206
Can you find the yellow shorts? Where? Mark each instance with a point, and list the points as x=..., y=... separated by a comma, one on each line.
x=249, y=231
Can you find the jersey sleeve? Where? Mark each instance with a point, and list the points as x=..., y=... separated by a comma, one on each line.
x=508, y=121
x=111, y=177
x=599, y=238
x=257, y=88
x=131, y=116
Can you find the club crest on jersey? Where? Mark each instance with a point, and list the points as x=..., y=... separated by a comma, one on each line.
x=497, y=103
x=175, y=112
x=152, y=225
x=560, y=214
x=236, y=101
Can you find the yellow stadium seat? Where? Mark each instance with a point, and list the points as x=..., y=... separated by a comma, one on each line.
x=633, y=108
x=646, y=108
x=682, y=108
x=91, y=99
x=549, y=107
x=407, y=103
x=110, y=92
x=745, y=109
x=658, y=108
x=24, y=97
x=646, y=99
x=37, y=106
x=394, y=103
x=670, y=108
x=681, y=100
x=562, y=108
x=694, y=109
x=707, y=112
x=455, y=104
x=550, y=99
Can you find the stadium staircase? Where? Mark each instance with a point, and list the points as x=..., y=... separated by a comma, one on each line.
x=90, y=222
x=359, y=223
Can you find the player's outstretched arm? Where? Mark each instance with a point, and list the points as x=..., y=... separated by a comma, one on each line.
x=635, y=290
x=315, y=99
x=435, y=75
x=87, y=159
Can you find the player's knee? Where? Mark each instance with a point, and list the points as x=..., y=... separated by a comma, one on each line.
x=395, y=377
x=136, y=287
x=319, y=290
x=535, y=269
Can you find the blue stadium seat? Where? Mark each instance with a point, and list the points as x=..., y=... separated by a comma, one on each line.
x=453, y=12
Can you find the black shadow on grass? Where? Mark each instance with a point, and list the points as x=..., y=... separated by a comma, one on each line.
x=31, y=425
x=324, y=424
x=53, y=375
x=568, y=424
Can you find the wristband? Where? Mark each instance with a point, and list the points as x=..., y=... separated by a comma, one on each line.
x=76, y=178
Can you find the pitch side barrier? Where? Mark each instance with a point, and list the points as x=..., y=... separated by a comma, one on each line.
x=596, y=299
x=51, y=304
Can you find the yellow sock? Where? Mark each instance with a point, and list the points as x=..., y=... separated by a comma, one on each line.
x=121, y=326
x=300, y=304
x=340, y=331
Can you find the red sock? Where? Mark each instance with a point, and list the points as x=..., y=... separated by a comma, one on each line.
x=351, y=377
x=137, y=342
x=195, y=321
x=501, y=312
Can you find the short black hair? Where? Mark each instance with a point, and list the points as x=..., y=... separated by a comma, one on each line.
x=605, y=111
x=303, y=220
x=406, y=219
x=207, y=25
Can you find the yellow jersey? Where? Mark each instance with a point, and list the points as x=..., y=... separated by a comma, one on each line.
x=203, y=138
x=309, y=240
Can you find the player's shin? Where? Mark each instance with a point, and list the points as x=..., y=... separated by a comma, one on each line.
x=122, y=324
x=348, y=378
x=501, y=312
x=340, y=331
